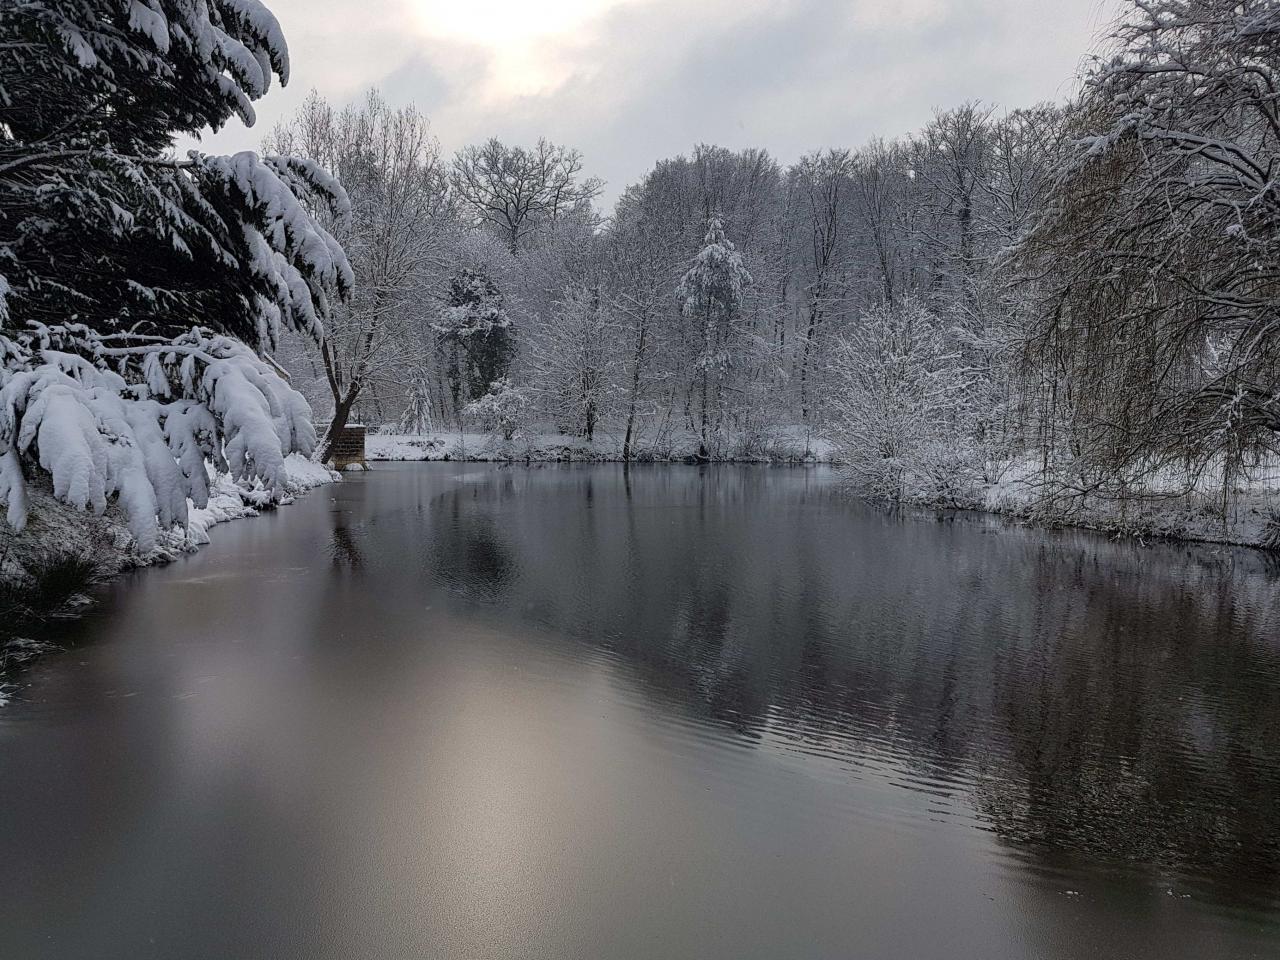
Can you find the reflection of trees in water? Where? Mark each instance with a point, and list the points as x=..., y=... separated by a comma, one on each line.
x=1151, y=741
x=718, y=672
x=468, y=551
x=344, y=548
x=1085, y=696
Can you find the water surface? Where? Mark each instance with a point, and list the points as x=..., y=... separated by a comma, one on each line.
x=552, y=712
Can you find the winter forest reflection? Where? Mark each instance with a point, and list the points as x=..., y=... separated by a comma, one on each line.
x=727, y=711
x=1072, y=695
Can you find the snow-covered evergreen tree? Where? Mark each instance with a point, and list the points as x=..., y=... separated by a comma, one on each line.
x=475, y=334
x=135, y=287
x=711, y=296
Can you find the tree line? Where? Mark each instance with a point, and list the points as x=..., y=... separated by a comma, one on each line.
x=715, y=297
x=1082, y=289
x=1081, y=294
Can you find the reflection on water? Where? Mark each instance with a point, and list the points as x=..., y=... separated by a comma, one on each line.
x=1085, y=697
x=720, y=711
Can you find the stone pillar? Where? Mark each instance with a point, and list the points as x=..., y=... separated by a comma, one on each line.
x=348, y=447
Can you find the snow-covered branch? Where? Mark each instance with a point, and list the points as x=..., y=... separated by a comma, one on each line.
x=138, y=424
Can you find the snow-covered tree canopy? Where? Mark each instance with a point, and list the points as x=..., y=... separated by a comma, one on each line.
x=715, y=282
x=474, y=308
x=711, y=294
x=475, y=333
x=136, y=286
x=99, y=226
x=137, y=418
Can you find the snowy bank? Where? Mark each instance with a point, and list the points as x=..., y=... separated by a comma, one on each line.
x=229, y=500
x=1167, y=505
x=789, y=444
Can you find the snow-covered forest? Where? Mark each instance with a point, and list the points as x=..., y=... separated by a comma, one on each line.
x=1046, y=307
x=1066, y=304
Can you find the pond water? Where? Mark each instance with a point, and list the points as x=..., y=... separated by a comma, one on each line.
x=574, y=711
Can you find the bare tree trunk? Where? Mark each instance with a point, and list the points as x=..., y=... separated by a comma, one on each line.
x=343, y=399
x=814, y=318
x=626, y=439
x=635, y=390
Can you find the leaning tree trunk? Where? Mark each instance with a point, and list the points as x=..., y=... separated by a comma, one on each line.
x=343, y=400
x=341, y=414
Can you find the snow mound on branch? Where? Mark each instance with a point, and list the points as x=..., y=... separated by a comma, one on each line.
x=134, y=419
x=229, y=500
x=290, y=252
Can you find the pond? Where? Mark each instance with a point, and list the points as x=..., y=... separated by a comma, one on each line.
x=445, y=710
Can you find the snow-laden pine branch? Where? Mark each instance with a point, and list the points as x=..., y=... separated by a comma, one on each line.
x=137, y=423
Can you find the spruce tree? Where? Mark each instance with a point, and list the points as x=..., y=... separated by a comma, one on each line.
x=476, y=335
x=136, y=286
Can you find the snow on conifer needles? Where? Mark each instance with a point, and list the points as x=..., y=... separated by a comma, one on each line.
x=140, y=423
x=137, y=289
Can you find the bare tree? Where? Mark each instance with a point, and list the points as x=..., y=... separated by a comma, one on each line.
x=1159, y=251
x=880, y=169
x=400, y=213
x=572, y=359
x=950, y=160
x=822, y=191
x=517, y=190
x=641, y=283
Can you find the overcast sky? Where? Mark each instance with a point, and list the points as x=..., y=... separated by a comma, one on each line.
x=629, y=82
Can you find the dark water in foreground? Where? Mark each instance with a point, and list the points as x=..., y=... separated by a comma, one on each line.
x=471, y=712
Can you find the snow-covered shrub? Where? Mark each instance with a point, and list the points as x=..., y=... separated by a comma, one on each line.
x=901, y=391
x=417, y=418
x=1270, y=538
x=502, y=410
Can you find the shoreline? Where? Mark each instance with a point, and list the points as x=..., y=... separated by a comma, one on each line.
x=1184, y=518
x=788, y=445
x=52, y=585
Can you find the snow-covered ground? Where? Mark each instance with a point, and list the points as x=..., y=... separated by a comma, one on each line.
x=1164, y=506
x=782, y=444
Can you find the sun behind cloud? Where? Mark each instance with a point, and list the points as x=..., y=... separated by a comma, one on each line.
x=523, y=37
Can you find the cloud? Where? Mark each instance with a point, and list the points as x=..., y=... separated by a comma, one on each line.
x=631, y=81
